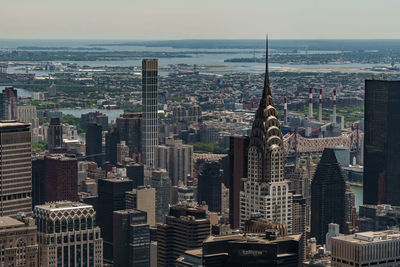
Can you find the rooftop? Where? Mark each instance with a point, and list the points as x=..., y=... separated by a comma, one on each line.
x=371, y=237
x=8, y=222
x=12, y=123
x=62, y=205
x=251, y=238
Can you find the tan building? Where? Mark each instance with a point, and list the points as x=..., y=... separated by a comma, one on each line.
x=143, y=198
x=18, y=242
x=68, y=235
x=15, y=168
x=176, y=158
x=366, y=249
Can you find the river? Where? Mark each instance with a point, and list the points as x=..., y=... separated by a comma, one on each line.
x=358, y=192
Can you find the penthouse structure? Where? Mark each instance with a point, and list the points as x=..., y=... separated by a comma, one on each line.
x=366, y=249
x=68, y=235
x=15, y=168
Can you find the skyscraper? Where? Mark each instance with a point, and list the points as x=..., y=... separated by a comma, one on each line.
x=38, y=181
x=55, y=134
x=130, y=131
x=185, y=228
x=131, y=238
x=328, y=189
x=143, y=198
x=111, y=198
x=150, y=116
x=10, y=103
x=15, y=168
x=19, y=242
x=209, y=186
x=266, y=191
x=94, y=147
x=238, y=152
x=68, y=235
x=381, y=142
x=112, y=140
x=162, y=184
x=61, y=178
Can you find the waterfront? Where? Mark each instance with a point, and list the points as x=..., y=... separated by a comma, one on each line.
x=358, y=192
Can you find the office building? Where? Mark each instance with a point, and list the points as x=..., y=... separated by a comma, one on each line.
x=52, y=90
x=381, y=143
x=28, y=114
x=10, y=104
x=162, y=184
x=15, y=168
x=135, y=172
x=61, y=178
x=38, y=181
x=131, y=238
x=55, y=135
x=185, y=228
x=209, y=186
x=130, y=131
x=150, y=115
x=68, y=235
x=379, y=217
x=241, y=250
x=143, y=198
x=328, y=190
x=111, y=197
x=238, y=151
x=18, y=241
x=265, y=190
x=96, y=118
x=112, y=140
x=366, y=249
x=94, y=145
x=342, y=154
x=176, y=158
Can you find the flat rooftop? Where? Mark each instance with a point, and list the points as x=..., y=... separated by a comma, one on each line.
x=249, y=238
x=8, y=222
x=62, y=205
x=371, y=237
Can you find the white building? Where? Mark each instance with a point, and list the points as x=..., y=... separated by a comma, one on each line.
x=366, y=249
x=266, y=191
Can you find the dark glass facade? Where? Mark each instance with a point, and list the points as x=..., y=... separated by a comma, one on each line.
x=328, y=189
x=381, y=142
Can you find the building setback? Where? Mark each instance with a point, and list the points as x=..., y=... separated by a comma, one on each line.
x=61, y=178
x=143, y=198
x=15, y=168
x=68, y=235
x=381, y=143
x=328, y=189
x=150, y=115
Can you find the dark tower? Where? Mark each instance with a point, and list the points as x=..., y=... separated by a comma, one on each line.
x=112, y=140
x=209, y=186
x=94, y=143
x=55, y=134
x=328, y=189
x=238, y=150
x=381, y=143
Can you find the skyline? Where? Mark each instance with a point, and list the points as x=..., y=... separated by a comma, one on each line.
x=178, y=19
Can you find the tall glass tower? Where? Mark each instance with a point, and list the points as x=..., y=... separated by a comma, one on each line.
x=150, y=117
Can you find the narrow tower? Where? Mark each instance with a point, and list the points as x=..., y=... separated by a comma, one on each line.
x=150, y=116
x=285, y=109
x=320, y=105
x=333, y=120
x=265, y=191
x=310, y=107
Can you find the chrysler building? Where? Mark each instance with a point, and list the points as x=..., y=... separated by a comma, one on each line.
x=265, y=191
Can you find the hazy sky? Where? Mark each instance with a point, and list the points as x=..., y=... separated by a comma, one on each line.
x=186, y=19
